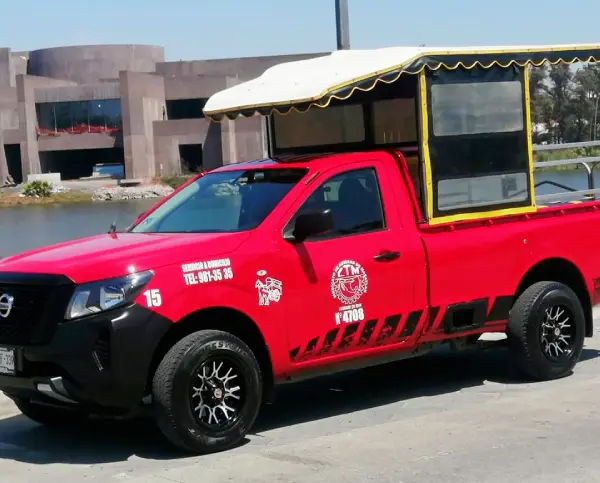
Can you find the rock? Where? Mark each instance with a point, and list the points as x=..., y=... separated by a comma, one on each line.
x=131, y=193
x=57, y=188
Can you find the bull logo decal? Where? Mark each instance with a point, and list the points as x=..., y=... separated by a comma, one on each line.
x=269, y=290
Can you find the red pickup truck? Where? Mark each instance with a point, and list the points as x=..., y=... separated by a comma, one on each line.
x=272, y=271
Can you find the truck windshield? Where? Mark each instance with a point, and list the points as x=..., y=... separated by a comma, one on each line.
x=227, y=201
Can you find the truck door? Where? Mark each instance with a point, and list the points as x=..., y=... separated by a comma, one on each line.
x=363, y=285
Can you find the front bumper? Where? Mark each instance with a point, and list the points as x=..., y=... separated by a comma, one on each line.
x=100, y=362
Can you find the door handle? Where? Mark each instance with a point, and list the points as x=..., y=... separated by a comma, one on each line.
x=386, y=256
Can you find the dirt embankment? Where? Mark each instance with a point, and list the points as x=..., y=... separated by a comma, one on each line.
x=84, y=192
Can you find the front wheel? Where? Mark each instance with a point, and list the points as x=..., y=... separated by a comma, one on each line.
x=546, y=330
x=207, y=392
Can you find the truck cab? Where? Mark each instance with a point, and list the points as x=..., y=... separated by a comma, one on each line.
x=395, y=214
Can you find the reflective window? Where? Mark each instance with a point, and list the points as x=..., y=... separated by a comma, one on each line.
x=185, y=108
x=354, y=200
x=477, y=141
x=392, y=121
x=475, y=108
x=102, y=115
x=222, y=202
x=320, y=127
x=395, y=121
x=482, y=191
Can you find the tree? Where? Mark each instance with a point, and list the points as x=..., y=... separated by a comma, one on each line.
x=565, y=99
x=541, y=102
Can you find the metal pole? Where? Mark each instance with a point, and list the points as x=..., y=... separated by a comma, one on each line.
x=342, y=24
x=596, y=117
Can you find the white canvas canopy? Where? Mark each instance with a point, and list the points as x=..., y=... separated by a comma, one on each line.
x=314, y=82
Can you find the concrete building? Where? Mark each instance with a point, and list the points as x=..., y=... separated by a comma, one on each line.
x=66, y=109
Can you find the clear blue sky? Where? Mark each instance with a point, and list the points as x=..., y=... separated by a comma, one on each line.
x=202, y=29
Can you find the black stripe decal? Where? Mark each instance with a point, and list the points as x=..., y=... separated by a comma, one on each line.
x=348, y=336
x=367, y=332
x=465, y=316
x=411, y=323
x=329, y=340
x=433, y=311
x=476, y=309
x=501, y=309
x=388, y=328
x=311, y=345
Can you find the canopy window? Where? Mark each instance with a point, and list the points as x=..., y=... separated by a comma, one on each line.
x=477, y=140
x=383, y=117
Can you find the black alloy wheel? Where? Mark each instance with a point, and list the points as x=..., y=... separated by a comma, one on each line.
x=207, y=392
x=217, y=393
x=546, y=330
x=558, y=332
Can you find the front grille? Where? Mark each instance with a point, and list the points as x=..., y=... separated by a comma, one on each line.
x=35, y=312
x=26, y=314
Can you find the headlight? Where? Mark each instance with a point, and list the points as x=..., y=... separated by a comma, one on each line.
x=95, y=297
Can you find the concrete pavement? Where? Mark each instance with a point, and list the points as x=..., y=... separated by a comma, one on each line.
x=446, y=417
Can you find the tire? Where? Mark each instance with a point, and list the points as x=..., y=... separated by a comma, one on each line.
x=50, y=416
x=176, y=402
x=528, y=337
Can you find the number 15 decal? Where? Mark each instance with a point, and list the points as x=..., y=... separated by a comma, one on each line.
x=153, y=298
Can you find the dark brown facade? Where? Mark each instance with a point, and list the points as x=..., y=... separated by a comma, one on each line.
x=65, y=109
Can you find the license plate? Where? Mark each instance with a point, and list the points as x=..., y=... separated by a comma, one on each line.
x=7, y=361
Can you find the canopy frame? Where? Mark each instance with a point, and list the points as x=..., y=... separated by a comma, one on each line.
x=434, y=59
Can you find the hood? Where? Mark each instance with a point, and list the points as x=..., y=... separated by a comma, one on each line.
x=112, y=255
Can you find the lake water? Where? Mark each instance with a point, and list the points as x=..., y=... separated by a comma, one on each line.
x=26, y=227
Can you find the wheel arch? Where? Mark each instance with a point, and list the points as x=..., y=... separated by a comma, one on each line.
x=565, y=272
x=218, y=318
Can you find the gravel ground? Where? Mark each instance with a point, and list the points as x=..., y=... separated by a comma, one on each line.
x=131, y=193
x=105, y=190
x=444, y=417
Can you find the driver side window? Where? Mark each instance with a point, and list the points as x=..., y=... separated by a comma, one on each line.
x=354, y=200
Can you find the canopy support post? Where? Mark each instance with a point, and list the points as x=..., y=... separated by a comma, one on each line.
x=342, y=24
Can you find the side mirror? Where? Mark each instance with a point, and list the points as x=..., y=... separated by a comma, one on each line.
x=310, y=224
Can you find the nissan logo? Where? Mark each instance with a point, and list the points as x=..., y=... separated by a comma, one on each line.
x=6, y=305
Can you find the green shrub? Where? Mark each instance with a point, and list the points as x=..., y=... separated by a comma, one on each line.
x=37, y=189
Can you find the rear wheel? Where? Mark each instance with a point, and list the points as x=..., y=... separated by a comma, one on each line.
x=546, y=330
x=50, y=415
x=207, y=392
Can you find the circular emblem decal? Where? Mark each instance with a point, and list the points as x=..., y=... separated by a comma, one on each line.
x=349, y=282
